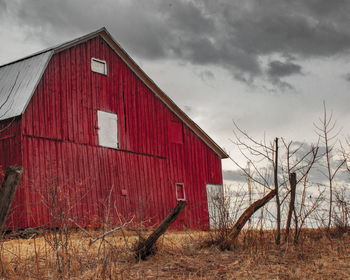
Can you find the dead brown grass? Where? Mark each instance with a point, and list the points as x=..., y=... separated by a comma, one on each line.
x=180, y=255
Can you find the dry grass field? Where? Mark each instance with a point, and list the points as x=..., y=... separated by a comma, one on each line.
x=180, y=255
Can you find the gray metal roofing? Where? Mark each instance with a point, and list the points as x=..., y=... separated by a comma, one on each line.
x=19, y=78
x=18, y=82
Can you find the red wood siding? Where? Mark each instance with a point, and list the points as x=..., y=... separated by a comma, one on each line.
x=60, y=145
x=10, y=154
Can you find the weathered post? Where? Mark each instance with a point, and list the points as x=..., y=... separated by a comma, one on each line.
x=226, y=244
x=144, y=247
x=278, y=204
x=293, y=184
x=7, y=192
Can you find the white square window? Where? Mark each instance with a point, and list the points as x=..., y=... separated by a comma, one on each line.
x=98, y=66
x=107, y=129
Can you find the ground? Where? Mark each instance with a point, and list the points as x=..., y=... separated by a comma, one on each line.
x=180, y=255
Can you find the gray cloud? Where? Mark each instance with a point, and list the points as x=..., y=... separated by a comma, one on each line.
x=3, y=6
x=225, y=33
x=206, y=75
x=234, y=175
x=278, y=69
x=346, y=77
x=285, y=26
x=281, y=69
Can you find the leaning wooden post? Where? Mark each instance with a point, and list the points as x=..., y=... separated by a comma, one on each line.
x=144, y=247
x=7, y=192
x=226, y=244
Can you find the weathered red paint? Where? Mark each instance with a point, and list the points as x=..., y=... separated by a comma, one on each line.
x=56, y=141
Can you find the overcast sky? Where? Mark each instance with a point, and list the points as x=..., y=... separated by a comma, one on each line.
x=268, y=64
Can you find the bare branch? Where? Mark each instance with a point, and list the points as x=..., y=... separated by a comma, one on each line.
x=111, y=231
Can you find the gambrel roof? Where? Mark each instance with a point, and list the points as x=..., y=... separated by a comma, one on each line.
x=19, y=79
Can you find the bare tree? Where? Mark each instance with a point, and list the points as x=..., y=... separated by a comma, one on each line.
x=298, y=161
x=258, y=155
x=326, y=130
x=266, y=169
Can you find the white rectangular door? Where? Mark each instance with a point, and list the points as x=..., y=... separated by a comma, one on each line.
x=215, y=194
x=108, y=129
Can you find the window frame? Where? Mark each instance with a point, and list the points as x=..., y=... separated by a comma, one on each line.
x=104, y=62
x=183, y=191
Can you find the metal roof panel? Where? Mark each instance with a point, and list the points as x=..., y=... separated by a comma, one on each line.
x=18, y=82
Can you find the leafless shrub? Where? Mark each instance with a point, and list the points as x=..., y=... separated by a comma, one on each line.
x=227, y=208
x=342, y=210
x=58, y=199
x=60, y=224
x=309, y=204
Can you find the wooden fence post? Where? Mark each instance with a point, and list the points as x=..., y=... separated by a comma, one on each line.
x=293, y=184
x=7, y=192
x=144, y=247
x=226, y=244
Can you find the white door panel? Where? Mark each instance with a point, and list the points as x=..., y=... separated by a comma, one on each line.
x=107, y=129
x=215, y=194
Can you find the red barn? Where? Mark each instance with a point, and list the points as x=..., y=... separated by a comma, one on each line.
x=97, y=138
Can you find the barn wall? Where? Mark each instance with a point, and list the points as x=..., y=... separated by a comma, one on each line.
x=60, y=144
x=10, y=146
x=10, y=154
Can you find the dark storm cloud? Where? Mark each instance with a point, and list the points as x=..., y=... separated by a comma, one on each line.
x=187, y=16
x=264, y=27
x=277, y=70
x=230, y=34
x=3, y=6
x=281, y=69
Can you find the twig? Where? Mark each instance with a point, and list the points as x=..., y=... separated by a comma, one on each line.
x=110, y=231
x=80, y=227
